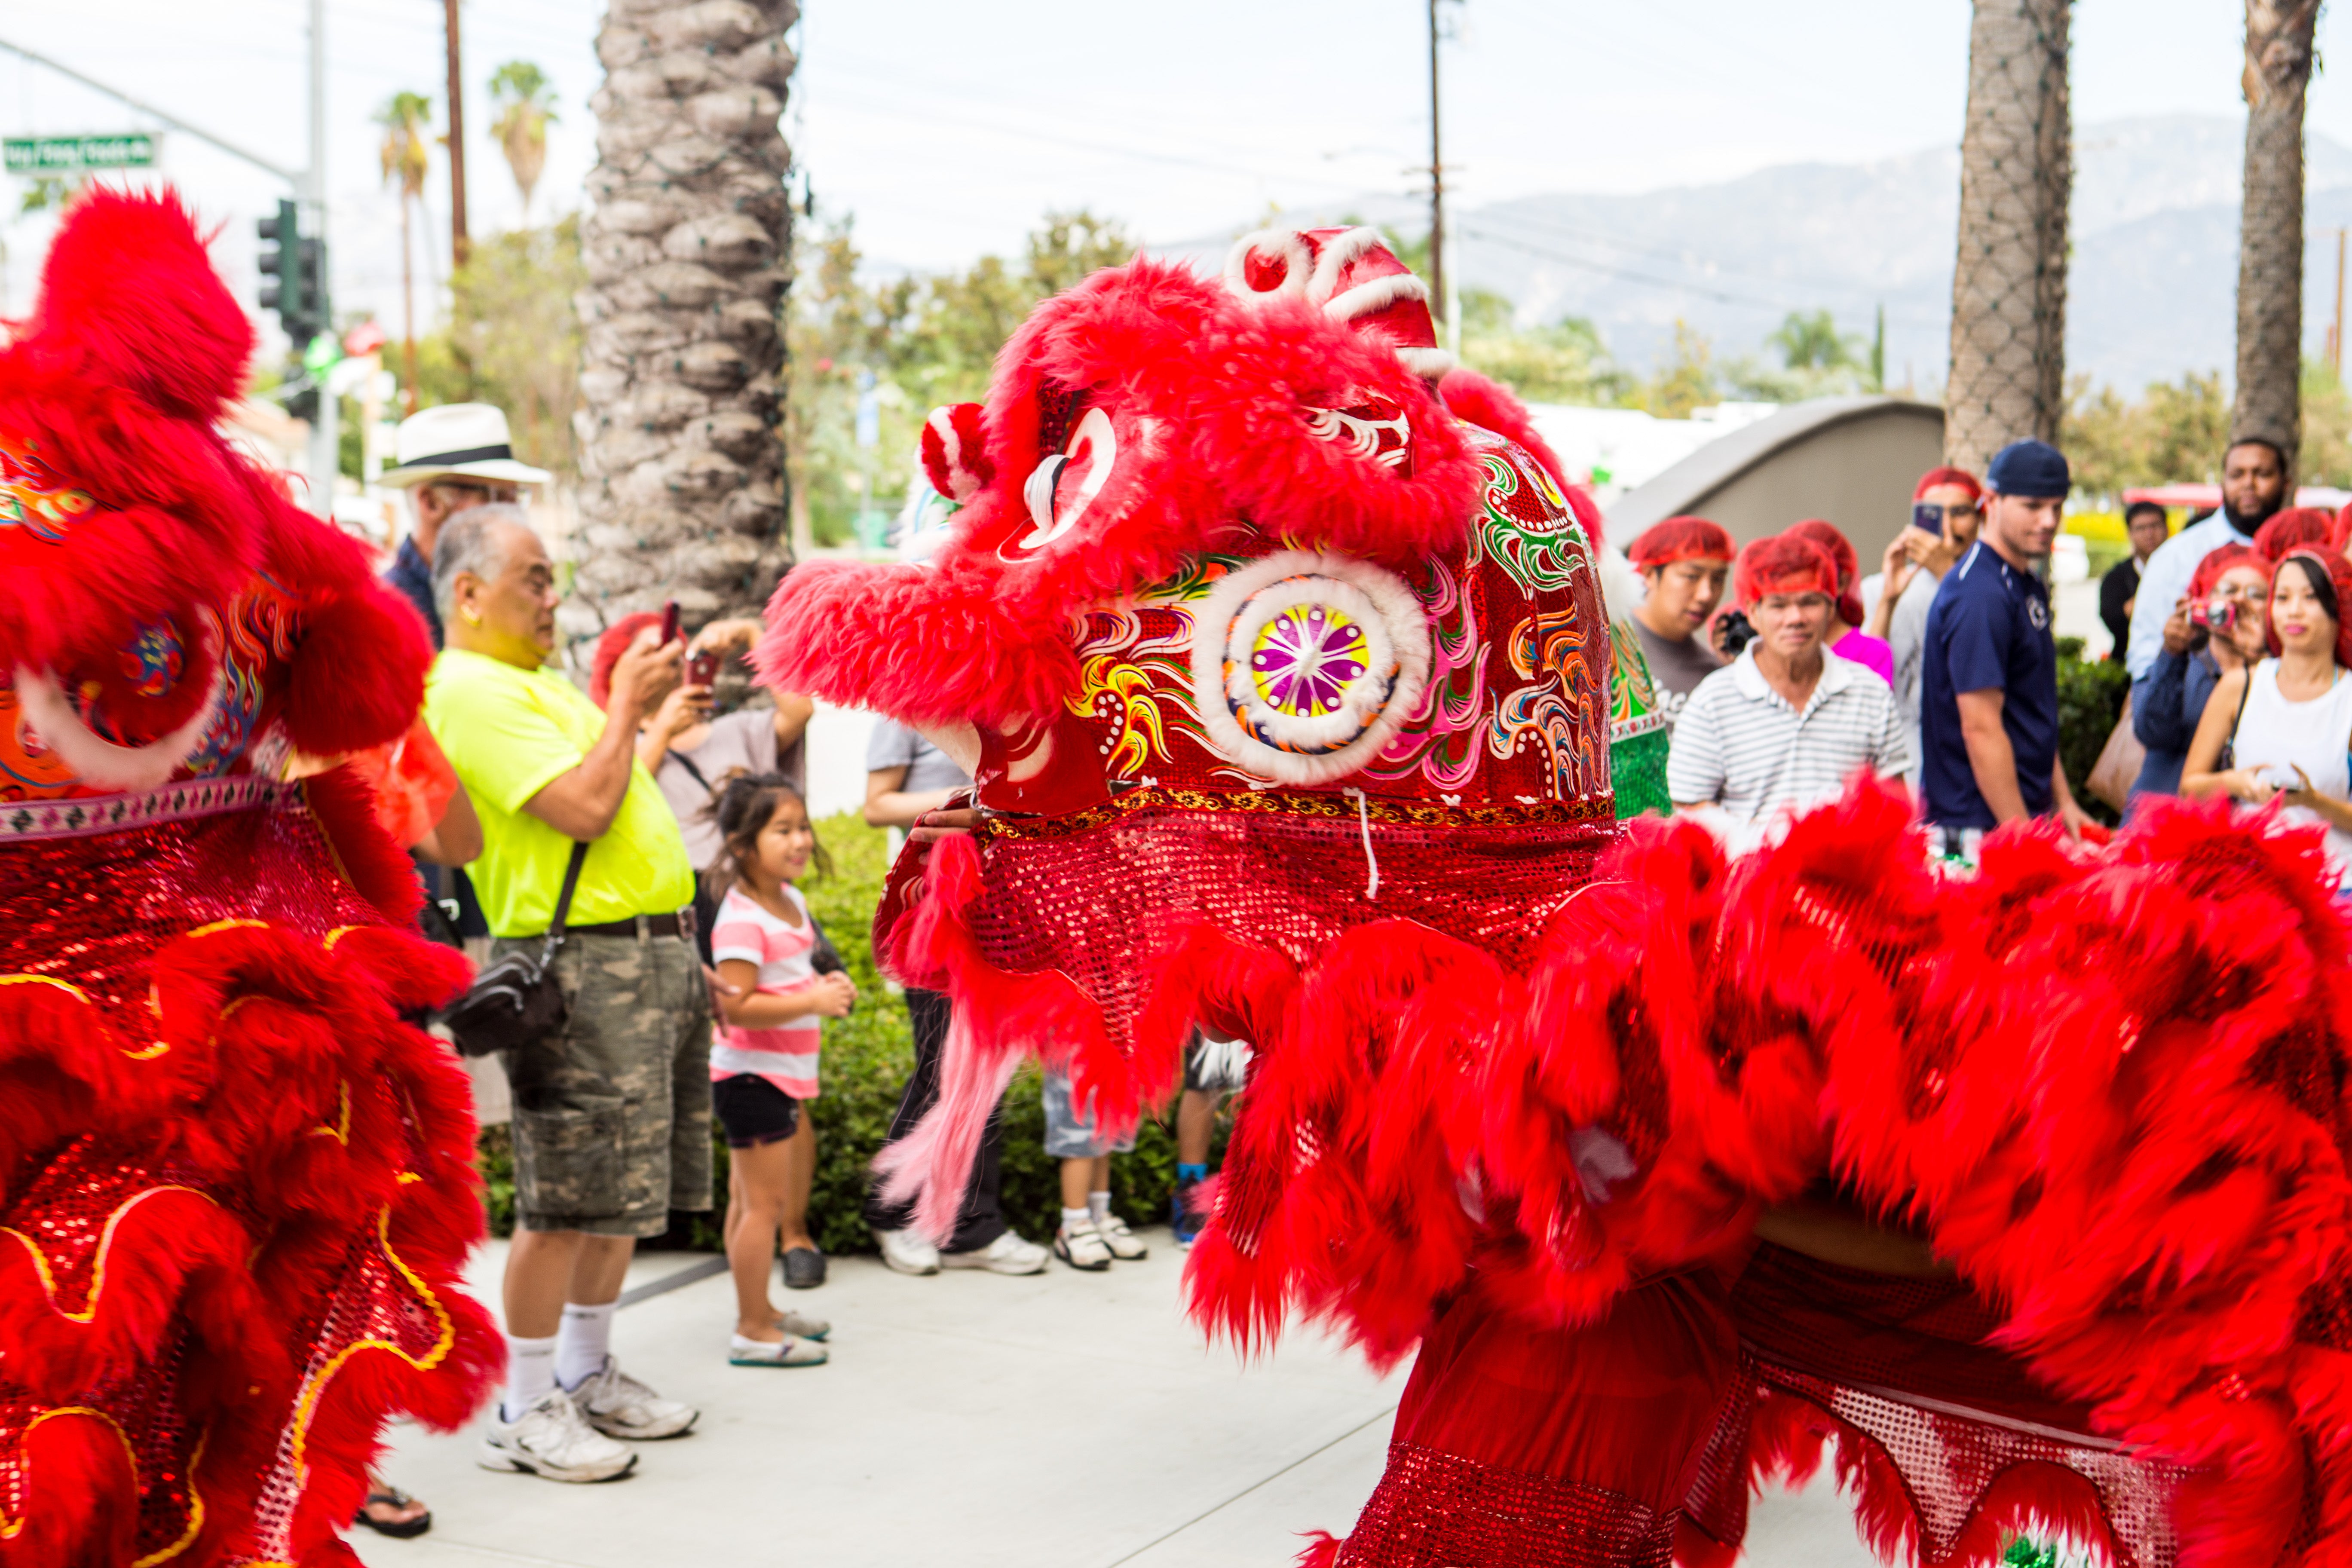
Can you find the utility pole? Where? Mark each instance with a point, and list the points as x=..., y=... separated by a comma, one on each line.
x=458, y=244
x=327, y=430
x=1436, y=181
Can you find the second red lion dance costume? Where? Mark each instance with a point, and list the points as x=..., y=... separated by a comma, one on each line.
x=1276, y=645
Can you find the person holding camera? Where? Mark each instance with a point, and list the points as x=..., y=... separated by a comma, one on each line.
x=1945, y=507
x=2216, y=628
x=691, y=753
x=2279, y=727
x=612, y=1111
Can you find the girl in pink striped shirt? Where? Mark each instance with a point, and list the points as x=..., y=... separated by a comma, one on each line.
x=771, y=999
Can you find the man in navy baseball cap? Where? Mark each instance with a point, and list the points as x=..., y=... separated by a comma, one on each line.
x=2031, y=469
x=1988, y=675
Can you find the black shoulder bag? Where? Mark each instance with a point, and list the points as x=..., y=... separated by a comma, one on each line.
x=517, y=1001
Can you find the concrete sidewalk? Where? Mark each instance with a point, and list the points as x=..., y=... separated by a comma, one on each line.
x=1063, y=1419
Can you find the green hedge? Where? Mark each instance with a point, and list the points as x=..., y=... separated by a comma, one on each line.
x=867, y=1057
x=2091, y=695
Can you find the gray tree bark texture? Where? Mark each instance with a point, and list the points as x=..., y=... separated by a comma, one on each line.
x=2270, y=226
x=686, y=248
x=2008, y=378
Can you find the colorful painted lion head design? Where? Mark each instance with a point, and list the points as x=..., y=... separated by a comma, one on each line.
x=1236, y=534
x=165, y=610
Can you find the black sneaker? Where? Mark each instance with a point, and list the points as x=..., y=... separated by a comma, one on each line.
x=1186, y=1217
x=804, y=1269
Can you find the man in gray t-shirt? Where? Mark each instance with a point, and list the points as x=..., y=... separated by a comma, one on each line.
x=1683, y=561
x=905, y=776
x=900, y=763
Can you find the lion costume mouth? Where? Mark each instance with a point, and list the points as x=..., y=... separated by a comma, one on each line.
x=97, y=761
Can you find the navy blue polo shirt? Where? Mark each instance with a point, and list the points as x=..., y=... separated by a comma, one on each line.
x=412, y=574
x=1987, y=629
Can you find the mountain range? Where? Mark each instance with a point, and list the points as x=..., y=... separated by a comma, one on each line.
x=2151, y=292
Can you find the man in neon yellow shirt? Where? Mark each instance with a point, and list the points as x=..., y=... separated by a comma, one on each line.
x=612, y=1118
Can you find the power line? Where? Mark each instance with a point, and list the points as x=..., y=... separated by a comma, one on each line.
x=1677, y=285
x=899, y=111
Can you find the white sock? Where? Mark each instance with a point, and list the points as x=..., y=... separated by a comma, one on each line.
x=1098, y=1205
x=530, y=1371
x=582, y=1344
x=1074, y=1219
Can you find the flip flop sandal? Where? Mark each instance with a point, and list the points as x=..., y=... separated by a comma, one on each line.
x=788, y=1352
x=399, y=1530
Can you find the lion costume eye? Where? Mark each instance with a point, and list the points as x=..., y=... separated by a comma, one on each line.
x=1086, y=460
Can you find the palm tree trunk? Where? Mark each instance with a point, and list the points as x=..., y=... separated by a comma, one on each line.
x=2270, y=225
x=682, y=470
x=2009, y=285
x=407, y=313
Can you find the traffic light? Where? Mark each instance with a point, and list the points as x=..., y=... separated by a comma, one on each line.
x=281, y=267
x=294, y=273
x=294, y=284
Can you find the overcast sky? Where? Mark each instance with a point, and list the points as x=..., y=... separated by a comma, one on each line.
x=948, y=128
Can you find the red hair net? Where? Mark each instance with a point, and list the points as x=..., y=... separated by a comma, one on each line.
x=1681, y=539
x=1841, y=552
x=2338, y=572
x=1785, y=564
x=2208, y=575
x=609, y=649
x=1960, y=477
x=2297, y=525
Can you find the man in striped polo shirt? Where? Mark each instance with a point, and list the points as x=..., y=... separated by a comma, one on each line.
x=1789, y=721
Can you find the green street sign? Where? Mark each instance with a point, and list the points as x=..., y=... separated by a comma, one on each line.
x=57, y=154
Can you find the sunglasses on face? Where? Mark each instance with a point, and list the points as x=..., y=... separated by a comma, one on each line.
x=488, y=493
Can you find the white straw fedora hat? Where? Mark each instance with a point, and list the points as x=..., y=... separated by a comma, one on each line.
x=467, y=438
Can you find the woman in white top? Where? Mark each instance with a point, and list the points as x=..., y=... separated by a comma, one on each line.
x=2287, y=720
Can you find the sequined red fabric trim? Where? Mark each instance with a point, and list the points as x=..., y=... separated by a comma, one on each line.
x=257, y=1239
x=1098, y=906
x=1434, y=1509
x=92, y=910
x=1904, y=1370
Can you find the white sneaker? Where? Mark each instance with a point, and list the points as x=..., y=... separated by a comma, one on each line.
x=618, y=1405
x=1124, y=1244
x=908, y=1251
x=552, y=1438
x=1082, y=1247
x=1008, y=1254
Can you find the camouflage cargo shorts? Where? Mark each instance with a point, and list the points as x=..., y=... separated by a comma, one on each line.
x=611, y=1114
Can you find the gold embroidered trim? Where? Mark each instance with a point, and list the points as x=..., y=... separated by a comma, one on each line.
x=315, y=1387
x=1598, y=809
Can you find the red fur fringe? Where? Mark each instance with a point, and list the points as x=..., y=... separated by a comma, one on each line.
x=290, y=1090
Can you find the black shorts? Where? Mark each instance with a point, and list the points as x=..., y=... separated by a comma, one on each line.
x=753, y=1111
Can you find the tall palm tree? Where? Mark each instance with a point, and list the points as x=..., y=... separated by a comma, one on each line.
x=407, y=118
x=2269, y=224
x=2009, y=283
x=682, y=493
x=526, y=109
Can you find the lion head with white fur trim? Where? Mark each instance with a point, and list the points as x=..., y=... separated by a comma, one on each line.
x=165, y=611
x=1243, y=533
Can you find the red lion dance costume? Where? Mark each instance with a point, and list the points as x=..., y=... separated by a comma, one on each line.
x=1278, y=649
x=235, y=1190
